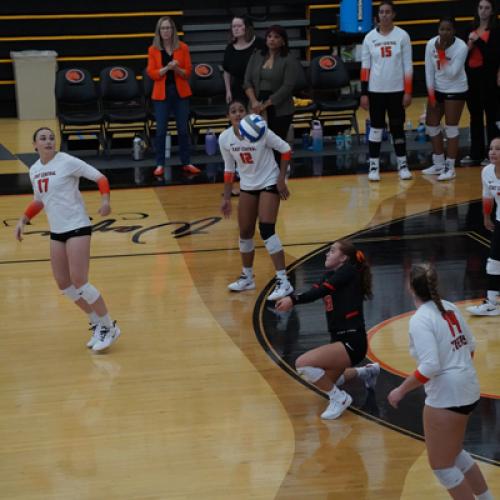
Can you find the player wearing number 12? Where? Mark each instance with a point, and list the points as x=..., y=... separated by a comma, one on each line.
x=55, y=178
x=250, y=145
x=443, y=345
x=386, y=87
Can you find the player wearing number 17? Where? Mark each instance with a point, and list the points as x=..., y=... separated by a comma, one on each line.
x=443, y=345
x=249, y=144
x=55, y=178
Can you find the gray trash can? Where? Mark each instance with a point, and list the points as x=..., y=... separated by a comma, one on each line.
x=35, y=75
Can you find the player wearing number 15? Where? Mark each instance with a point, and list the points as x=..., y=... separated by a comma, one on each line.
x=262, y=184
x=55, y=178
x=443, y=345
x=386, y=85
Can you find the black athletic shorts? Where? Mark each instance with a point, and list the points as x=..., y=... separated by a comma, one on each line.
x=386, y=102
x=355, y=343
x=82, y=231
x=495, y=242
x=464, y=410
x=450, y=96
x=256, y=192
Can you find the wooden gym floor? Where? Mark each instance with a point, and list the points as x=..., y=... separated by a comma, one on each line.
x=196, y=399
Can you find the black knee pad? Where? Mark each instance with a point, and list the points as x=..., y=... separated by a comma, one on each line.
x=266, y=230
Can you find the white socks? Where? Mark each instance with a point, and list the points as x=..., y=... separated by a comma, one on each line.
x=248, y=272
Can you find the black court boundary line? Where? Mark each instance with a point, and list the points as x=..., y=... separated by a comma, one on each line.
x=269, y=350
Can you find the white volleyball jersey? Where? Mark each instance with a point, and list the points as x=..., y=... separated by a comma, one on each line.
x=443, y=348
x=56, y=184
x=386, y=61
x=257, y=167
x=491, y=186
x=448, y=78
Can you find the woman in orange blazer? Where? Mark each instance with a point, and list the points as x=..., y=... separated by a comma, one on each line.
x=169, y=65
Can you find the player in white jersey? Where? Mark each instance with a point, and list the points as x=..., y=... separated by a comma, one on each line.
x=443, y=345
x=447, y=87
x=386, y=87
x=490, y=177
x=55, y=178
x=262, y=185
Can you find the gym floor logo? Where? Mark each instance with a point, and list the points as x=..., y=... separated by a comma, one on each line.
x=179, y=229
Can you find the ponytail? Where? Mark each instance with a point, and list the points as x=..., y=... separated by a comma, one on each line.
x=423, y=281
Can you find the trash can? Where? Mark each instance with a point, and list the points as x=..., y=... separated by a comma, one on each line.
x=35, y=75
x=356, y=16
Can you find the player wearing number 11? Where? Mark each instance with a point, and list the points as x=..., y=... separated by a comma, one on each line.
x=443, y=345
x=250, y=146
x=55, y=178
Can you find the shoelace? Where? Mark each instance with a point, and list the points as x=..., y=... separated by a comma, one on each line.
x=102, y=334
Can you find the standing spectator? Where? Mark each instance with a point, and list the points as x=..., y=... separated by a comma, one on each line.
x=446, y=82
x=386, y=87
x=443, y=345
x=169, y=65
x=490, y=177
x=270, y=79
x=55, y=177
x=483, y=75
x=242, y=44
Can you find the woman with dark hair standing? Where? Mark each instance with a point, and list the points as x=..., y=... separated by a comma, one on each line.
x=483, y=75
x=169, y=65
x=346, y=284
x=443, y=345
x=242, y=44
x=270, y=79
x=386, y=87
x=446, y=82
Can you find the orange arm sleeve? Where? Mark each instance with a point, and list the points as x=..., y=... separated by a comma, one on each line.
x=421, y=378
x=34, y=208
x=103, y=185
x=487, y=206
x=228, y=177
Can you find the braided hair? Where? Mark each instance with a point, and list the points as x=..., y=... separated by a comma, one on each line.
x=423, y=281
x=357, y=259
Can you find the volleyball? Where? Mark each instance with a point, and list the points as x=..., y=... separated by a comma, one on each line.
x=253, y=127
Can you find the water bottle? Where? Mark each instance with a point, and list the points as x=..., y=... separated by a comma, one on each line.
x=421, y=132
x=367, y=130
x=347, y=140
x=306, y=141
x=317, y=136
x=210, y=143
x=168, y=145
x=138, y=148
x=339, y=142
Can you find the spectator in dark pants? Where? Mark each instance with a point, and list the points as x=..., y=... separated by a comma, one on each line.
x=169, y=65
x=482, y=67
x=270, y=79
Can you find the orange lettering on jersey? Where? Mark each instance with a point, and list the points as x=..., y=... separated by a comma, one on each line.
x=386, y=51
x=246, y=158
x=453, y=323
x=43, y=185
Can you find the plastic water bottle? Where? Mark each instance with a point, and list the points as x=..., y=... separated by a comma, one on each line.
x=317, y=136
x=367, y=130
x=339, y=142
x=210, y=143
x=138, y=148
x=421, y=132
x=168, y=145
x=306, y=141
x=347, y=140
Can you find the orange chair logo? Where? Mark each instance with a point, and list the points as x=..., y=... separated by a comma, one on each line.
x=74, y=76
x=203, y=70
x=327, y=63
x=118, y=74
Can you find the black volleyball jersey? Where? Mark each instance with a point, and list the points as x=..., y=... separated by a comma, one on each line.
x=342, y=293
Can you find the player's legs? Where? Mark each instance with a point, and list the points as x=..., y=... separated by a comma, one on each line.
x=60, y=271
x=378, y=107
x=452, y=112
x=433, y=118
x=444, y=432
x=322, y=366
x=397, y=116
x=247, y=218
x=269, y=203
